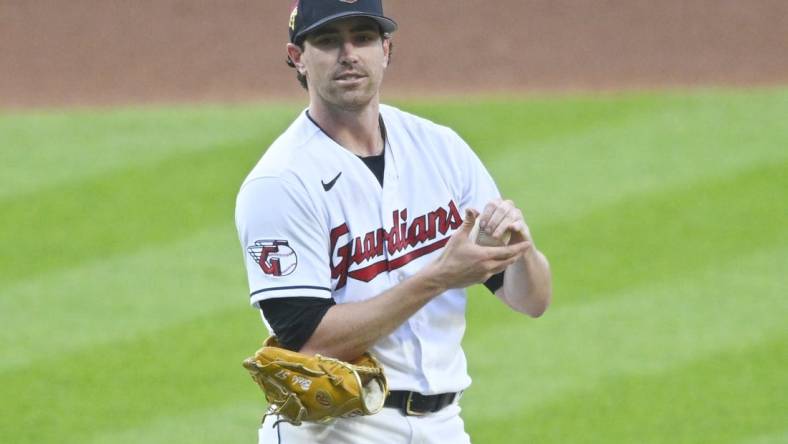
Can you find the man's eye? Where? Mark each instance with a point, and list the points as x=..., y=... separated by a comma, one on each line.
x=323, y=41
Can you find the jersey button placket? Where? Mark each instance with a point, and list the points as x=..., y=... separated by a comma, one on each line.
x=390, y=202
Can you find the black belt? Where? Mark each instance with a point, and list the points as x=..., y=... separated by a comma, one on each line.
x=416, y=404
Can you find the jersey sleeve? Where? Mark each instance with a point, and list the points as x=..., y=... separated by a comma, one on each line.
x=285, y=246
x=477, y=185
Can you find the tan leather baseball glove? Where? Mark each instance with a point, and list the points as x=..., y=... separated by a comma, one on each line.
x=300, y=387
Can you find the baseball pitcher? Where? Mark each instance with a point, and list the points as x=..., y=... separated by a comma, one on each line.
x=361, y=227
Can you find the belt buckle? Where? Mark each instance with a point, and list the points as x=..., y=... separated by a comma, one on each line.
x=408, y=410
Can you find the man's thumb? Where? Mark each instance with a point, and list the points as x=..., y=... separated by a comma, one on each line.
x=469, y=221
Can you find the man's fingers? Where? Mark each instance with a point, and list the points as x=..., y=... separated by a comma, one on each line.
x=519, y=226
x=497, y=216
x=505, y=225
x=489, y=209
x=499, y=266
x=506, y=252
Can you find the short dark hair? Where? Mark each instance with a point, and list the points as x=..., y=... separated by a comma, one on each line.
x=300, y=43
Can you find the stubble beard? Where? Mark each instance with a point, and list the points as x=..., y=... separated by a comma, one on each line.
x=353, y=99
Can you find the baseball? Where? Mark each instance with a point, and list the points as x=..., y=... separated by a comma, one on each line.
x=480, y=237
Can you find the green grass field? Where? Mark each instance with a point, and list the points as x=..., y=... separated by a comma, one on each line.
x=123, y=302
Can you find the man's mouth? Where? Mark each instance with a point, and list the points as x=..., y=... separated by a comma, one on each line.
x=349, y=76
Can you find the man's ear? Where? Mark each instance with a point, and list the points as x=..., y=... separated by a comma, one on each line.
x=294, y=53
x=386, y=51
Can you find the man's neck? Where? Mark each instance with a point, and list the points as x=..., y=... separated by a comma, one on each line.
x=358, y=131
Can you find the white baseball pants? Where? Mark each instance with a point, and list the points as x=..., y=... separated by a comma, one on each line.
x=389, y=426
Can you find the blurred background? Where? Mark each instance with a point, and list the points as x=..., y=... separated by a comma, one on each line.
x=81, y=52
x=647, y=143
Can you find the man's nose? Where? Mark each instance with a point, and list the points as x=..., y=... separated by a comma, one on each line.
x=347, y=52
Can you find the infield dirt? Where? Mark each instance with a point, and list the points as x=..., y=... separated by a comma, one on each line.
x=55, y=53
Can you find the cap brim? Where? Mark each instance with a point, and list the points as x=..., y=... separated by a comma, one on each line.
x=386, y=24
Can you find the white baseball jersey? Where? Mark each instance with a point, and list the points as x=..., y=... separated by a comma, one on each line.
x=314, y=221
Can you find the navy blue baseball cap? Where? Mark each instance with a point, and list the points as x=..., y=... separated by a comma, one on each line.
x=308, y=15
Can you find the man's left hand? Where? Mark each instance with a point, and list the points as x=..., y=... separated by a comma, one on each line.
x=501, y=215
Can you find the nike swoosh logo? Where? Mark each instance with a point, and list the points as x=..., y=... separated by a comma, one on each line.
x=328, y=186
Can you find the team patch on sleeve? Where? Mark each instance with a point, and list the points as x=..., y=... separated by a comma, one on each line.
x=275, y=257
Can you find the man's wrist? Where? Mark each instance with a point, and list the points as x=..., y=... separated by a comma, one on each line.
x=429, y=279
x=531, y=256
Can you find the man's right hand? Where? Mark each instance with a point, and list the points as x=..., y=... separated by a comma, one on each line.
x=463, y=263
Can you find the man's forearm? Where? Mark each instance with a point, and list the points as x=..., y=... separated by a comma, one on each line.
x=348, y=330
x=527, y=284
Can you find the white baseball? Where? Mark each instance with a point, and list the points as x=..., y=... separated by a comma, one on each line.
x=480, y=237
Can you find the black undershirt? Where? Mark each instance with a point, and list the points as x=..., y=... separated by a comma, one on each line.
x=294, y=319
x=377, y=164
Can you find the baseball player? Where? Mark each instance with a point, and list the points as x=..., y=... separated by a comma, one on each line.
x=355, y=227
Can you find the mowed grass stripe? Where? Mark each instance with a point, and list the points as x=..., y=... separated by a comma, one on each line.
x=527, y=122
x=187, y=367
x=496, y=127
x=641, y=330
x=778, y=437
x=232, y=422
x=120, y=297
x=45, y=149
x=683, y=141
x=121, y=212
x=724, y=398
x=674, y=232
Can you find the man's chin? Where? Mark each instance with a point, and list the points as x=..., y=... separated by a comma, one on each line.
x=354, y=100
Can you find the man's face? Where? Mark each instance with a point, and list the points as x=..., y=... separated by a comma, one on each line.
x=343, y=62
